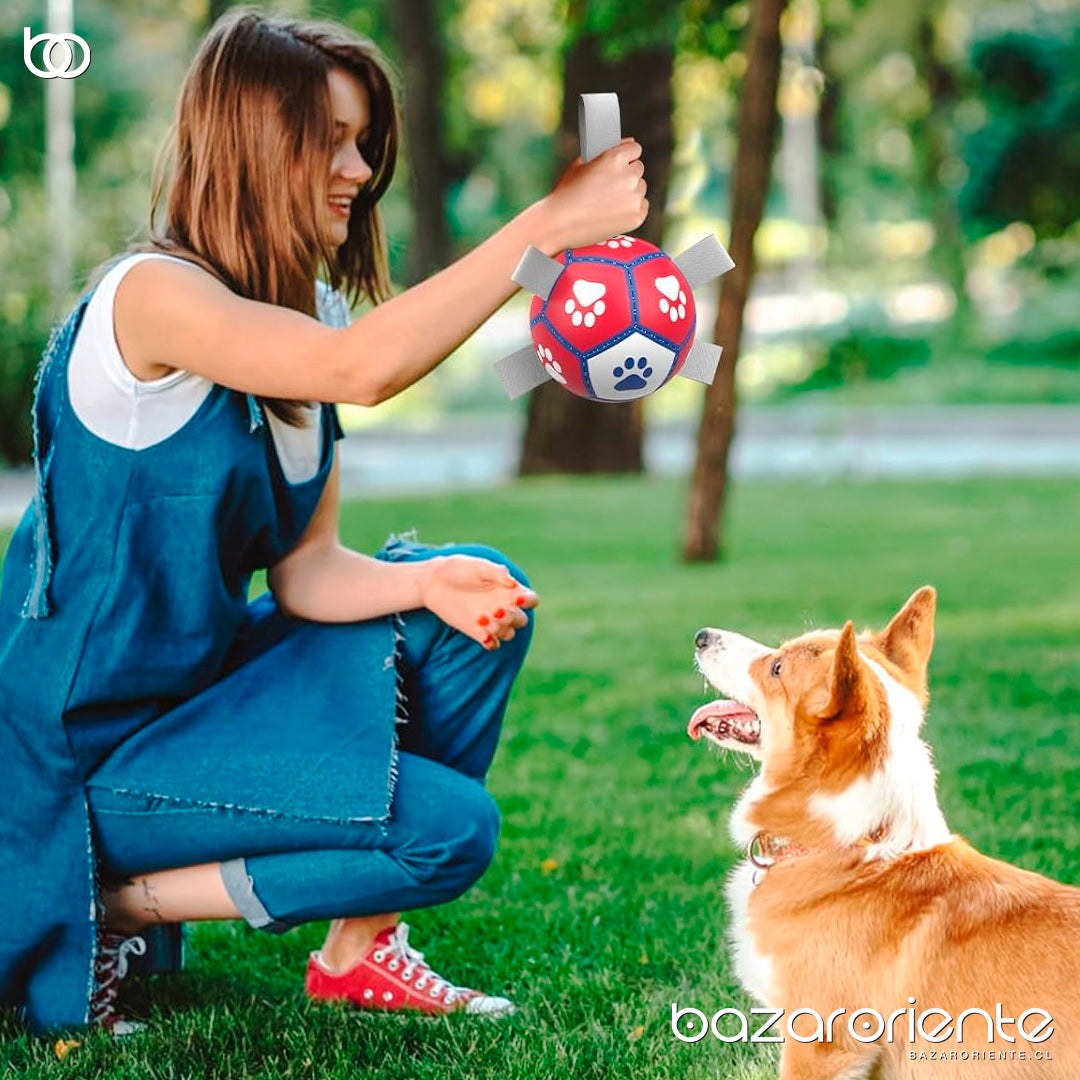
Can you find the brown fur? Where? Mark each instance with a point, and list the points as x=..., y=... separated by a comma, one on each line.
x=946, y=925
x=949, y=927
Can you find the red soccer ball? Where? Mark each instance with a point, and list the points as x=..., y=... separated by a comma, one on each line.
x=617, y=324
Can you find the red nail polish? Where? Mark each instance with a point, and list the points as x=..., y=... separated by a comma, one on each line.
x=483, y=620
x=519, y=601
x=499, y=613
x=488, y=640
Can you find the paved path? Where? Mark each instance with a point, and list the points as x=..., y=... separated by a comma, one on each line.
x=792, y=440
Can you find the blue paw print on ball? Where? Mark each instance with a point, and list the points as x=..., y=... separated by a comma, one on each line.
x=632, y=380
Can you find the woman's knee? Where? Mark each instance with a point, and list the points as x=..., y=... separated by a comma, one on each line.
x=473, y=834
x=474, y=850
x=456, y=844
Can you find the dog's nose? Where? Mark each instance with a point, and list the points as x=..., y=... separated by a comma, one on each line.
x=704, y=638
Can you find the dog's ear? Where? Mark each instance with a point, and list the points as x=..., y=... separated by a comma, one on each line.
x=909, y=639
x=848, y=687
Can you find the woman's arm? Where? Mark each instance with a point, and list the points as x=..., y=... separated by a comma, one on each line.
x=323, y=581
x=170, y=316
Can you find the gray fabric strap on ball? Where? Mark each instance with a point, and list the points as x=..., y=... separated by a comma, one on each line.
x=598, y=124
x=701, y=362
x=704, y=261
x=598, y=130
x=521, y=371
x=537, y=272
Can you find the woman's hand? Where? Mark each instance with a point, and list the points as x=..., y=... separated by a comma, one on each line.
x=478, y=597
x=593, y=202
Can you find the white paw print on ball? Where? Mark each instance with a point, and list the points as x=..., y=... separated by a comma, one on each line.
x=673, y=300
x=619, y=242
x=586, y=305
x=551, y=365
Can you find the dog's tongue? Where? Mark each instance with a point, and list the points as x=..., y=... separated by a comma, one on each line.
x=716, y=709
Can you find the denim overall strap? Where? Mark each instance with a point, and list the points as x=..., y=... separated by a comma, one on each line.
x=36, y=605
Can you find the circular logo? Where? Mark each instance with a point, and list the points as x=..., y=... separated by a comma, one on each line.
x=55, y=43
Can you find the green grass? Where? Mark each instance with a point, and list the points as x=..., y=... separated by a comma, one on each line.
x=603, y=905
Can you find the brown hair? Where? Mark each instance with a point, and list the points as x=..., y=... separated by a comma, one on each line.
x=247, y=162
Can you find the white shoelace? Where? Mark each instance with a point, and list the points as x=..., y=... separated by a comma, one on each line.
x=401, y=952
x=110, y=966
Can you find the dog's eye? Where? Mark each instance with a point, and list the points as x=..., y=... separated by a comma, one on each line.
x=776, y=668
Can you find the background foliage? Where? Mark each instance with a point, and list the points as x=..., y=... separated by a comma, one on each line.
x=948, y=142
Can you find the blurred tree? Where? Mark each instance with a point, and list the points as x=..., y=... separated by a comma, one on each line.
x=501, y=109
x=703, y=537
x=830, y=138
x=422, y=51
x=1024, y=155
x=798, y=167
x=629, y=51
x=106, y=103
x=835, y=23
x=933, y=134
x=565, y=433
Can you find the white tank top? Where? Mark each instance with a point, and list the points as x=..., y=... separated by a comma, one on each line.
x=127, y=412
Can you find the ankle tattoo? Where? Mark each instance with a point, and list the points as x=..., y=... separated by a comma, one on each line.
x=150, y=903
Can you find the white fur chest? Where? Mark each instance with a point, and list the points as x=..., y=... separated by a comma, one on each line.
x=752, y=967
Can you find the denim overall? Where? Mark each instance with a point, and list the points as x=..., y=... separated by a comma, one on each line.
x=137, y=680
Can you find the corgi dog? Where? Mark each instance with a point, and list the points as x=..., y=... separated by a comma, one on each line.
x=855, y=898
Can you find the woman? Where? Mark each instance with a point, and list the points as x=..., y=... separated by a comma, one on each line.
x=175, y=753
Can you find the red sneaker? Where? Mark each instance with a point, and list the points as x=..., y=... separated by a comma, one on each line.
x=394, y=976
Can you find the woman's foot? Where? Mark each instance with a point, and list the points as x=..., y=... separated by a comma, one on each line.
x=110, y=967
x=393, y=975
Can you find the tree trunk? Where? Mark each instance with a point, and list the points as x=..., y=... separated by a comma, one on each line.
x=932, y=133
x=423, y=63
x=756, y=138
x=565, y=433
x=830, y=138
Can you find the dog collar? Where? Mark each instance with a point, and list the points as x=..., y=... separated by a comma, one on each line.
x=765, y=851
